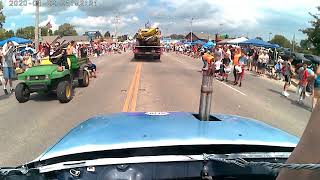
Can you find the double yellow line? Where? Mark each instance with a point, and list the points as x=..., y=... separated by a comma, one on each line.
x=132, y=95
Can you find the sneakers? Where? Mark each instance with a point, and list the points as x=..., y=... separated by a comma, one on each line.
x=5, y=91
x=285, y=93
x=300, y=101
x=12, y=90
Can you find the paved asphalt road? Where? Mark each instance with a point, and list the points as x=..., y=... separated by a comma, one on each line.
x=172, y=84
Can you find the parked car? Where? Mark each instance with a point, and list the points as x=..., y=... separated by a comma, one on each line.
x=313, y=58
x=298, y=58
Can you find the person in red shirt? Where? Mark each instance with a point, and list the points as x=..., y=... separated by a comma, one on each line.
x=303, y=83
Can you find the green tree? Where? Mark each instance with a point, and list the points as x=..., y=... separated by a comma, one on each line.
x=66, y=29
x=122, y=38
x=305, y=44
x=313, y=32
x=2, y=16
x=44, y=31
x=3, y=34
x=107, y=34
x=9, y=33
x=50, y=32
x=281, y=41
x=260, y=38
x=26, y=32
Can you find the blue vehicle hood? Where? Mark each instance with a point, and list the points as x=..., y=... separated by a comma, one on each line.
x=135, y=130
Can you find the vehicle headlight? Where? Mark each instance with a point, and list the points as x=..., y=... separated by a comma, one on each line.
x=47, y=77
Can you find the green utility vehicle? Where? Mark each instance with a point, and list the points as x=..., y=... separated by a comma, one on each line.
x=50, y=77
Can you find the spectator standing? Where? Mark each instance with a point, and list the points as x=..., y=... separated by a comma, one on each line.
x=236, y=57
x=287, y=71
x=265, y=61
x=278, y=68
x=303, y=83
x=250, y=60
x=8, y=63
x=255, y=60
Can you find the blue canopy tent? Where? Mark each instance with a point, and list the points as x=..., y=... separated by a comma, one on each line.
x=260, y=43
x=187, y=43
x=198, y=42
x=15, y=39
x=209, y=45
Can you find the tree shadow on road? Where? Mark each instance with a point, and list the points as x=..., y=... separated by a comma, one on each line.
x=304, y=106
x=148, y=60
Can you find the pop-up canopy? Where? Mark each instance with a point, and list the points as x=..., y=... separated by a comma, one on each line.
x=258, y=42
x=15, y=39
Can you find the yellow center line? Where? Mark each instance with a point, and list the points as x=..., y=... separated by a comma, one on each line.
x=131, y=99
x=135, y=90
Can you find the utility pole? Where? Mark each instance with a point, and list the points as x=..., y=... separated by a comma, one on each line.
x=293, y=41
x=191, y=30
x=270, y=36
x=116, y=22
x=36, y=30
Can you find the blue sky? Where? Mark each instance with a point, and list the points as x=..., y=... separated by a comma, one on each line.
x=235, y=17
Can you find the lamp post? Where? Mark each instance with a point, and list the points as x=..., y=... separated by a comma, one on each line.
x=270, y=36
x=191, y=30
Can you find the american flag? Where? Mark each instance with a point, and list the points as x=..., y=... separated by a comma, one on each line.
x=48, y=25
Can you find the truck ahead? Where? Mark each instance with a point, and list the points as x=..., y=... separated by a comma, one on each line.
x=148, y=44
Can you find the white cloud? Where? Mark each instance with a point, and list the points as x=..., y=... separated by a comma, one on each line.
x=135, y=18
x=91, y=22
x=13, y=25
x=52, y=21
x=155, y=24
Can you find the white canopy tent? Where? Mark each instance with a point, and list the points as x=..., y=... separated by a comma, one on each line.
x=238, y=40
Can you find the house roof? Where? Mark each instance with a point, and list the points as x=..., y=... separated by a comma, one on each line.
x=203, y=35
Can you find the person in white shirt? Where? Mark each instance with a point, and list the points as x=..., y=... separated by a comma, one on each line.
x=217, y=65
x=265, y=61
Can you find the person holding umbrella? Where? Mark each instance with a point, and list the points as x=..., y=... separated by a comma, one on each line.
x=8, y=64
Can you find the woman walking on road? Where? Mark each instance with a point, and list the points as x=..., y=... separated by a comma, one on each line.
x=316, y=89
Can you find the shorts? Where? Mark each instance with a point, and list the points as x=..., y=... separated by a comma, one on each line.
x=250, y=60
x=92, y=67
x=302, y=89
x=316, y=92
x=8, y=73
x=287, y=79
x=264, y=65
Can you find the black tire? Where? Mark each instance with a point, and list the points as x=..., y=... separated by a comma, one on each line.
x=64, y=91
x=86, y=79
x=22, y=93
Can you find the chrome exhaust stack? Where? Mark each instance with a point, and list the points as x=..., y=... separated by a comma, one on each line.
x=206, y=95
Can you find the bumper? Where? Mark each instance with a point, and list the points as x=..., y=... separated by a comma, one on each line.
x=148, y=54
x=38, y=85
